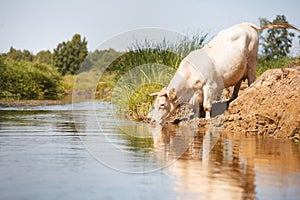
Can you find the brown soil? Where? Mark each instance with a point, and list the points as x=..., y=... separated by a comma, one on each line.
x=270, y=106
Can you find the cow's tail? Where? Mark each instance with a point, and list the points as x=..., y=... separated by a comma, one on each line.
x=272, y=26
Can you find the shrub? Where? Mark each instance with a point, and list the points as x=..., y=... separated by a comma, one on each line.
x=27, y=80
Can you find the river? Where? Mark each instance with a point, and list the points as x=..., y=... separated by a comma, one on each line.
x=84, y=151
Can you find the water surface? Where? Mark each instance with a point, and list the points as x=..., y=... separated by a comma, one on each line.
x=83, y=151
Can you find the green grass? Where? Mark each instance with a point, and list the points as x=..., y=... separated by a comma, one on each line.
x=140, y=103
x=264, y=65
x=131, y=91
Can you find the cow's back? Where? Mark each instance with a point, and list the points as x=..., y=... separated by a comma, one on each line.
x=230, y=51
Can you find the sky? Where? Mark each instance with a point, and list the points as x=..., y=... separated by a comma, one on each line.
x=38, y=25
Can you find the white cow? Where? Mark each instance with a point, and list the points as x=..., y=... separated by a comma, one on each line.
x=227, y=60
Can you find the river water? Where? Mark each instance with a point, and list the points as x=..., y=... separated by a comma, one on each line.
x=84, y=151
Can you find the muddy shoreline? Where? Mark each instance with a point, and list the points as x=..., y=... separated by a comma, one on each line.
x=16, y=103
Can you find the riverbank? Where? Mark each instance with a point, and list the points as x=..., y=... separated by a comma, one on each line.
x=13, y=103
x=271, y=106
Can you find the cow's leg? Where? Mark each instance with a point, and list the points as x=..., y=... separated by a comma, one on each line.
x=208, y=96
x=251, y=68
x=235, y=91
x=201, y=111
x=195, y=101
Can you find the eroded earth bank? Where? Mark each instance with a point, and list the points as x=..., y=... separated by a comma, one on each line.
x=270, y=106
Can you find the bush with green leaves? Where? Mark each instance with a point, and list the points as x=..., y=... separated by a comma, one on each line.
x=27, y=80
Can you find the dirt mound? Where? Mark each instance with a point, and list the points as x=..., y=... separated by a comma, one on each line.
x=270, y=106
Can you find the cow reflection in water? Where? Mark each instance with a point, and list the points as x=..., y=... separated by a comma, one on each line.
x=197, y=157
x=172, y=141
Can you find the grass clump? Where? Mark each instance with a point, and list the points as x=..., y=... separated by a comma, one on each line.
x=140, y=103
x=130, y=92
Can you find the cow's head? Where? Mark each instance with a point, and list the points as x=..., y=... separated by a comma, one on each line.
x=164, y=105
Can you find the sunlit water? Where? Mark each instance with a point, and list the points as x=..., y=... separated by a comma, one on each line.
x=83, y=151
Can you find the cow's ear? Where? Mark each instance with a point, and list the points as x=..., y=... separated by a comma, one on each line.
x=163, y=92
x=160, y=93
x=153, y=94
x=171, y=94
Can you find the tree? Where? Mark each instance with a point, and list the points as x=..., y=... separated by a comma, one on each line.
x=100, y=59
x=27, y=56
x=18, y=55
x=68, y=56
x=44, y=57
x=277, y=42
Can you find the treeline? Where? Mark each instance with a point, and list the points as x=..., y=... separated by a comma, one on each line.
x=24, y=75
x=66, y=57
